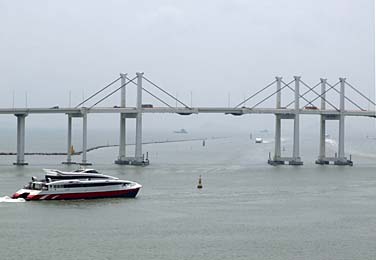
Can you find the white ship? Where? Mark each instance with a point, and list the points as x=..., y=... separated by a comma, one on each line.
x=80, y=184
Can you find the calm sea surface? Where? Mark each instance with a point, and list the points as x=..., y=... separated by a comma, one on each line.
x=246, y=210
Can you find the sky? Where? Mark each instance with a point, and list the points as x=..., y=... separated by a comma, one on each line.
x=208, y=53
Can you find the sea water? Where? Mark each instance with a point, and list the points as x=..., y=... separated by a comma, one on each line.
x=246, y=209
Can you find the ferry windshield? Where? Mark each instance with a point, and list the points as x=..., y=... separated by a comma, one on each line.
x=91, y=171
x=38, y=186
x=28, y=186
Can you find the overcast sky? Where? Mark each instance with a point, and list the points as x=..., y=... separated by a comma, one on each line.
x=207, y=48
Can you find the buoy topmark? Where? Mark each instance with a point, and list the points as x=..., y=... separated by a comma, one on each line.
x=199, y=186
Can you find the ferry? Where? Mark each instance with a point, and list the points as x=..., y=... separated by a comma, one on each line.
x=59, y=185
x=258, y=140
x=181, y=131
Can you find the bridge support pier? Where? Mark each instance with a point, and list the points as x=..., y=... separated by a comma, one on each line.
x=322, y=158
x=138, y=150
x=138, y=159
x=84, y=139
x=122, y=138
x=277, y=158
x=295, y=153
x=69, y=142
x=20, y=139
x=341, y=159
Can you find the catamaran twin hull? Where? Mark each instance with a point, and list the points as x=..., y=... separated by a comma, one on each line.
x=77, y=189
x=31, y=195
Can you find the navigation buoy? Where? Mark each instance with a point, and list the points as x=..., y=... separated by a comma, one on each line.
x=199, y=186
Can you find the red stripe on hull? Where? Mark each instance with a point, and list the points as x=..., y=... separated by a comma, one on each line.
x=131, y=193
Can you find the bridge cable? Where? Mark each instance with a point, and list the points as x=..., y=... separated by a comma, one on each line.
x=352, y=102
x=155, y=85
x=96, y=93
x=360, y=93
x=348, y=99
x=331, y=87
x=305, y=93
x=112, y=93
x=261, y=90
x=293, y=90
x=326, y=101
x=272, y=94
x=151, y=94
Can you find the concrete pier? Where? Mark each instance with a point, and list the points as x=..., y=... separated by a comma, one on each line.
x=84, y=138
x=20, y=139
x=341, y=159
x=277, y=136
x=295, y=152
x=122, y=138
x=69, y=142
x=322, y=154
x=277, y=158
x=138, y=159
x=138, y=148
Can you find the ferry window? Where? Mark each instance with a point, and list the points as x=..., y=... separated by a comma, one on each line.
x=91, y=171
x=37, y=186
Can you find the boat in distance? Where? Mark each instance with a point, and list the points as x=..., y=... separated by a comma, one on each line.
x=181, y=131
x=59, y=185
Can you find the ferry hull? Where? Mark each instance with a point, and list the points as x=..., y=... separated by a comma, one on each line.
x=128, y=193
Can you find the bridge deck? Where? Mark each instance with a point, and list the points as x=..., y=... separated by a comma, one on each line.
x=184, y=111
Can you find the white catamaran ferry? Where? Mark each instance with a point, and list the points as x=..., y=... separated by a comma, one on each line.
x=80, y=184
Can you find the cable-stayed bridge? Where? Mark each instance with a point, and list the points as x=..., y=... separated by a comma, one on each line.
x=303, y=102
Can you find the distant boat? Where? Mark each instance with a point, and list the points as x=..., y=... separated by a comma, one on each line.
x=181, y=131
x=258, y=140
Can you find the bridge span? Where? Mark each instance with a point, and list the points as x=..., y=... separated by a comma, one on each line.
x=327, y=110
x=183, y=111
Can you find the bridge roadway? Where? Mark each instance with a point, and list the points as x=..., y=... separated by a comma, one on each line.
x=183, y=111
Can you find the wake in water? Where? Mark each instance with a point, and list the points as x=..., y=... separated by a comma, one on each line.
x=9, y=199
x=331, y=142
x=334, y=146
x=268, y=141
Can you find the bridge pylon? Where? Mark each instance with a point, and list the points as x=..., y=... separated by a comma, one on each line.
x=277, y=158
x=339, y=158
x=138, y=159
